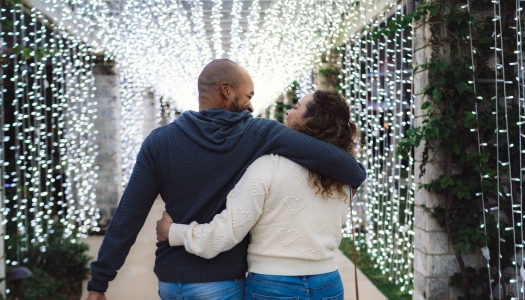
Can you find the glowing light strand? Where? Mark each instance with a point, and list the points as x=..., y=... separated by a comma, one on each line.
x=376, y=75
x=217, y=29
x=482, y=193
x=521, y=119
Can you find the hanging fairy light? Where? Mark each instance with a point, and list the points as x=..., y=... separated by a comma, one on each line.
x=236, y=45
x=251, y=32
x=484, y=250
x=48, y=148
x=217, y=29
x=377, y=82
x=306, y=84
x=518, y=207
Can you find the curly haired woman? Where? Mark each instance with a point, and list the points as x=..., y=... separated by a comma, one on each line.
x=294, y=215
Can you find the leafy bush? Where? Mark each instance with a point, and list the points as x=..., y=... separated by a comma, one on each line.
x=57, y=272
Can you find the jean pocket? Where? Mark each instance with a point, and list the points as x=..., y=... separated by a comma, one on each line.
x=233, y=293
x=262, y=297
x=338, y=297
x=164, y=296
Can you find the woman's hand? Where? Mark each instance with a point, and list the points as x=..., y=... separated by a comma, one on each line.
x=163, y=227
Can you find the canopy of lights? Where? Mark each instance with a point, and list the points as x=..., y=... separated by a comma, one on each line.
x=48, y=139
x=164, y=45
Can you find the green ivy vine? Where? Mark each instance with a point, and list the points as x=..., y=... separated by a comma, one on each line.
x=450, y=131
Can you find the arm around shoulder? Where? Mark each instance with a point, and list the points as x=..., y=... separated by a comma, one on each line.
x=315, y=155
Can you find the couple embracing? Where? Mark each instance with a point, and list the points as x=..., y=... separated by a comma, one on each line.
x=254, y=209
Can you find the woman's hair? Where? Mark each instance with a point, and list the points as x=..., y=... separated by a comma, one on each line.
x=327, y=118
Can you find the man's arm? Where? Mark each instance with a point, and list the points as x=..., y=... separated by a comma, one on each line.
x=128, y=219
x=314, y=154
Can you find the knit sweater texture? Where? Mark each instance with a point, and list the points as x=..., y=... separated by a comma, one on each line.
x=193, y=163
x=294, y=229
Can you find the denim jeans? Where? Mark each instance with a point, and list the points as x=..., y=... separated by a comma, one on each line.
x=231, y=290
x=312, y=287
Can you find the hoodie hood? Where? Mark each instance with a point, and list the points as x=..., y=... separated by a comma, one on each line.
x=215, y=128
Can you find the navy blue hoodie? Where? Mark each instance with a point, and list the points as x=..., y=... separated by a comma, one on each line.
x=193, y=163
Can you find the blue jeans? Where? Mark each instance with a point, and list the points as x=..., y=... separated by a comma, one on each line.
x=231, y=290
x=312, y=287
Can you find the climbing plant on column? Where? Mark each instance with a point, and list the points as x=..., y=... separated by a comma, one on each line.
x=474, y=112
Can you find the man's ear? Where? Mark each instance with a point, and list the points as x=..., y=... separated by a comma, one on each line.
x=226, y=90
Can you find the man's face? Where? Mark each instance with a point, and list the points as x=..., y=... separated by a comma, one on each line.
x=235, y=106
x=243, y=94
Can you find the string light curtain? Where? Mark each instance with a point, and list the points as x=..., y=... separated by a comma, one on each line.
x=509, y=280
x=379, y=90
x=377, y=83
x=48, y=151
x=503, y=210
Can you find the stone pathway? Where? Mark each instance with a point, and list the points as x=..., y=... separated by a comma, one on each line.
x=136, y=280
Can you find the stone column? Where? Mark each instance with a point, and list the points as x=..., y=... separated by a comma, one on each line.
x=434, y=258
x=265, y=113
x=329, y=71
x=279, y=109
x=109, y=159
x=150, y=113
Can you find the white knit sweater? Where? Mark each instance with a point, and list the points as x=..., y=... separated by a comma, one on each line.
x=294, y=231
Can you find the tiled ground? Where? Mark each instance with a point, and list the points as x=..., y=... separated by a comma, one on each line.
x=136, y=280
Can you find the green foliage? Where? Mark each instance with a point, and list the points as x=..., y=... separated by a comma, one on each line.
x=11, y=3
x=5, y=23
x=29, y=52
x=26, y=52
x=398, y=24
x=333, y=74
x=58, y=272
x=451, y=131
x=329, y=71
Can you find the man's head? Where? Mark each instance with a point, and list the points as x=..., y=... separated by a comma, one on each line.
x=225, y=84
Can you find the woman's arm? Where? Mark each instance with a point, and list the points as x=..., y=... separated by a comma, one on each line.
x=244, y=206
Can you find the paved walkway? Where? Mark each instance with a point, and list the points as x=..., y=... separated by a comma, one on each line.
x=136, y=280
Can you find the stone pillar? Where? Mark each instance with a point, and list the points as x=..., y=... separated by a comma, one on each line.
x=109, y=159
x=150, y=113
x=279, y=109
x=265, y=113
x=434, y=258
x=329, y=70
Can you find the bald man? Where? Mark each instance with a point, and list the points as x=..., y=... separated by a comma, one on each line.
x=193, y=163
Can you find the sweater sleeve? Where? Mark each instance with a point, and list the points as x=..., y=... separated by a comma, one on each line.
x=128, y=219
x=244, y=206
x=314, y=154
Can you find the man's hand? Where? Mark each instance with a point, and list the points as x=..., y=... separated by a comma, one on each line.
x=96, y=296
x=163, y=227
